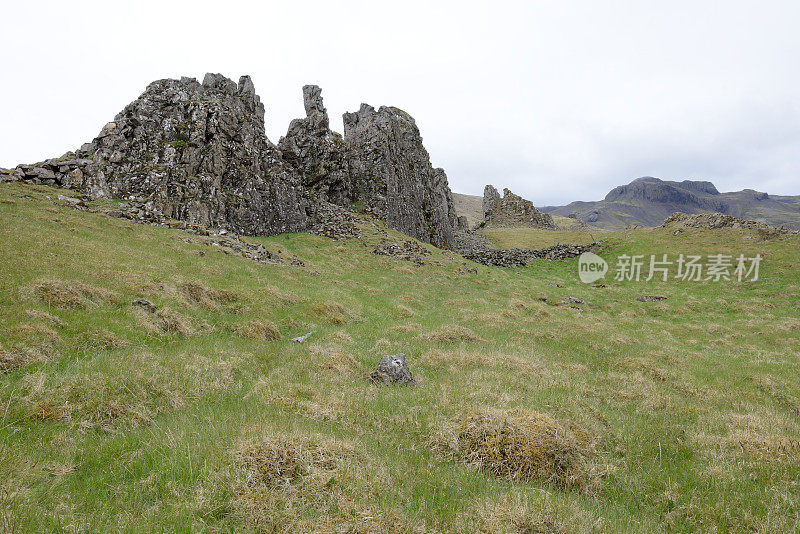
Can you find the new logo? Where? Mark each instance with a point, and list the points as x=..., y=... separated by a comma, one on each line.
x=591, y=267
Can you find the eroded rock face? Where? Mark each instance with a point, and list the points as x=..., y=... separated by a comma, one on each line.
x=318, y=154
x=490, y=199
x=197, y=152
x=193, y=152
x=512, y=210
x=391, y=172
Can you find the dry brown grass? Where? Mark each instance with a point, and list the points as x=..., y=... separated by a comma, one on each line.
x=762, y=433
x=451, y=334
x=13, y=359
x=43, y=316
x=277, y=478
x=333, y=360
x=518, y=513
x=40, y=345
x=408, y=328
x=214, y=375
x=259, y=329
x=163, y=321
x=99, y=400
x=332, y=312
x=199, y=294
x=769, y=385
x=71, y=294
x=404, y=311
x=518, y=445
x=281, y=295
x=341, y=336
x=98, y=340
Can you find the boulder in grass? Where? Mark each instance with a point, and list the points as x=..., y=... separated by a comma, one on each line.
x=393, y=369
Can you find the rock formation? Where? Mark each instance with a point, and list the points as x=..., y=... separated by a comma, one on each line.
x=512, y=210
x=193, y=152
x=379, y=163
x=199, y=153
x=393, y=369
x=316, y=153
x=391, y=172
x=490, y=199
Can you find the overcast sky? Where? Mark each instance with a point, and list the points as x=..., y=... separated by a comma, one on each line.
x=558, y=100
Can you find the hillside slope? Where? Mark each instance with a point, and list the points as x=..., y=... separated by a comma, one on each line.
x=195, y=411
x=648, y=201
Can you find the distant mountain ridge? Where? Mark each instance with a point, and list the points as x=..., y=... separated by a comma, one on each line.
x=647, y=201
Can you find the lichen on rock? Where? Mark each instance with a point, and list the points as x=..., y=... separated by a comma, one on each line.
x=198, y=153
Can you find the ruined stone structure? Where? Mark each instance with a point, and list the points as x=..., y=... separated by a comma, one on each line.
x=512, y=210
x=198, y=152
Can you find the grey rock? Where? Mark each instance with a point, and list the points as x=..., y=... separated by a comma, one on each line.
x=70, y=200
x=198, y=153
x=391, y=172
x=518, y=257
x=512, y=210
x=407, y=250
x=490, y=198
x=379, y=163
x=573, y=300
x=192, y=152
x=316, y=153
x=650, y=298
x=712, y=221
x=393, y=369
x=146, y=304
x=303, y=338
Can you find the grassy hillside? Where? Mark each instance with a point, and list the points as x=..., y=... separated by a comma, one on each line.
x=470, y=206
x=529, y=415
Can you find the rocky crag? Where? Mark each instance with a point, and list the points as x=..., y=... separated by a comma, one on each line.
x=512, y=210
x=198, y=152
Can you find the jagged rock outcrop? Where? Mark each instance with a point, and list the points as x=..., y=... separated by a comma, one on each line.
x=379, y=163
x=490, y=199
x=318, y=154
x=512, y=210
x=198, y=153
x=391, y=172
x=193, y=152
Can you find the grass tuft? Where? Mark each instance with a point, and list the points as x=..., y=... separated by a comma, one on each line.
x=451, y=334
x=519, y=445
x=71, y=294
x=199, y=294
x=259, y=329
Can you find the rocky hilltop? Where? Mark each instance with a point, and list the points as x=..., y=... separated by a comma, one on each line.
x=647, y=201
x=512, y=210
x=198, y=152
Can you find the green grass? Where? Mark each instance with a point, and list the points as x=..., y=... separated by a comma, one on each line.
x=687, y=411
